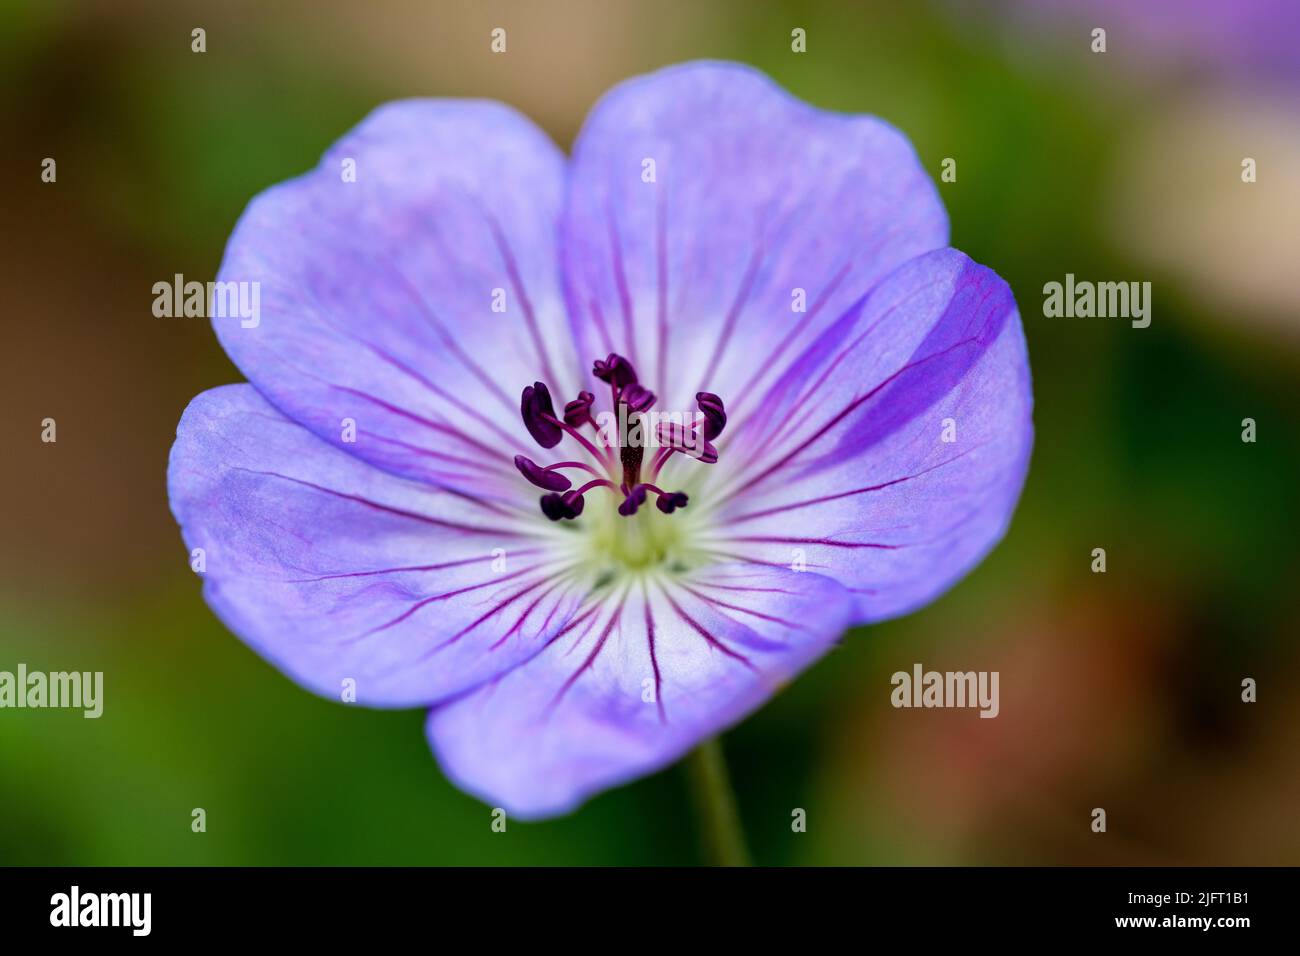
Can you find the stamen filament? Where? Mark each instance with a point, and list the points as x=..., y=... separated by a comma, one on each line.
x=574, y=464
x=595, y=483
x=596, y=453
x=661, y=457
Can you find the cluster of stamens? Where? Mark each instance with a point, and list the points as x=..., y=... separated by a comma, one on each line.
x=617, y=461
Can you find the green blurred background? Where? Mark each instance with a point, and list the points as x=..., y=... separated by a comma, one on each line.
x=1119, y=690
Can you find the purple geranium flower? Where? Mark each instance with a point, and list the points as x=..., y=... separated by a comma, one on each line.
x=590, y=456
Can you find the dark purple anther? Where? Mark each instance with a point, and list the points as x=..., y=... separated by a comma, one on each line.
x=715, y=416
x=539, y=415
x=688, y=441
x=634, y=500
x=568, y=505
x=671, y=502
x=578, y=412
x=615, y=370
x=550, y=480
x=638, y=398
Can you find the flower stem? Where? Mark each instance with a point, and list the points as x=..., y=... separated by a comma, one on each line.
x=715, y=806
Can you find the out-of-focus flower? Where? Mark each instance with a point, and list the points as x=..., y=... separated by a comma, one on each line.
x=1179, y=204
x=1253, y=40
